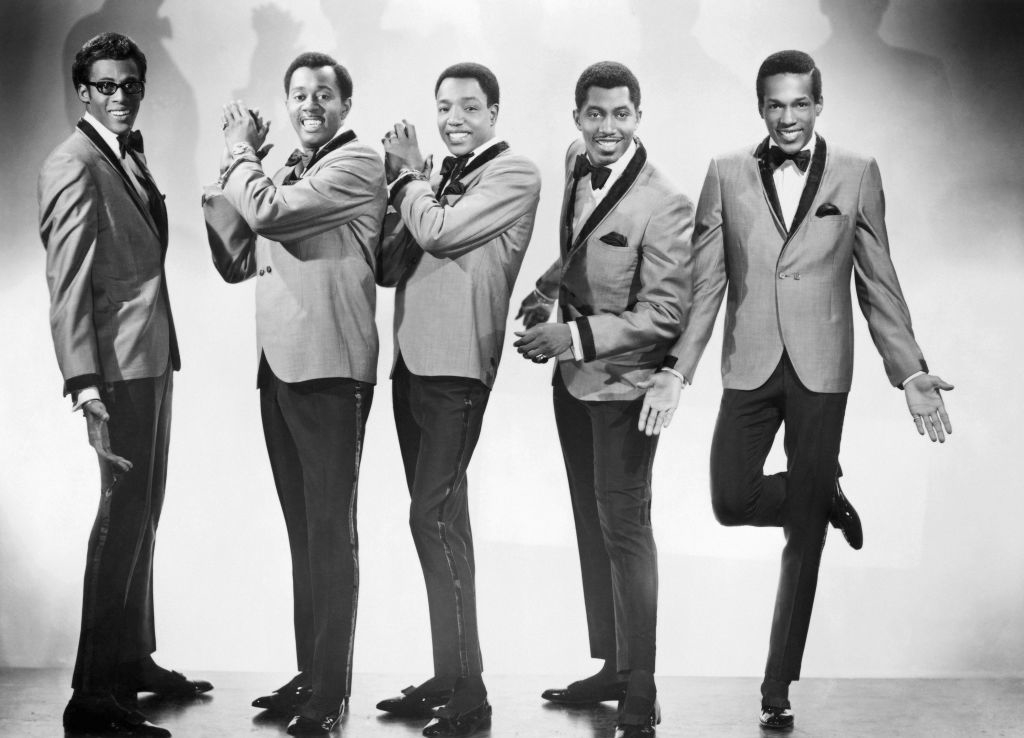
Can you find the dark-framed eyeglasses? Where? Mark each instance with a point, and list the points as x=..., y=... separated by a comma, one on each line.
x=108, y=87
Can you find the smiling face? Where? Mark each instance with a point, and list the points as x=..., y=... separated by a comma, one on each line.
x=116, y=112
x=608, y=120
x=789, y=110
x=464, y=119
x=315, y=105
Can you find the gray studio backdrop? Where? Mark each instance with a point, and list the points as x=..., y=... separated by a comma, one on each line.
x=930, y=88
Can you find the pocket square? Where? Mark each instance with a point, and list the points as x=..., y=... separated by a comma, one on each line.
x=614, y=239
x=827, y=209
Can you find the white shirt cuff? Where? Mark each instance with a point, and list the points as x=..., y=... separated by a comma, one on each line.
x=577, y=345
x=678, y=375
x=84, y=396
x=915, y=375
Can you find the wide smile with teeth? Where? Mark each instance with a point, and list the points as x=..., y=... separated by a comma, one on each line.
x=791, y=134
x=312, y=124
x=608, y=143
x=458, y=136
x=120, y=114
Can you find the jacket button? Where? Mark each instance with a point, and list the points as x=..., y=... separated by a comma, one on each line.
x=270, y=269
x=795, y=276
x=261, y=272
x=782, y=275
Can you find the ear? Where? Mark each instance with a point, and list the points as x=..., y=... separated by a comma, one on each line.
x=576, y=119
x=83, y=94
x=346, y=107
x=639, y=115
x=819, y=105
x=493, y=110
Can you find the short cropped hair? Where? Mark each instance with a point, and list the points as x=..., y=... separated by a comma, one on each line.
x=788, y=62
x=107, y=45
x=471, y=70
x=315, y=60
x=606, y=75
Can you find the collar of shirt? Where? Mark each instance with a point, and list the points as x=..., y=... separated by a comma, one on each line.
x=484, y=146
x=108, y=136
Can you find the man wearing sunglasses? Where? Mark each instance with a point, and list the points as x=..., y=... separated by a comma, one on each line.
x=104, y=227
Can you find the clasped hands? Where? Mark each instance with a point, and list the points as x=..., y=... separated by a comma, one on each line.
x=241, y=125
x=402, y=151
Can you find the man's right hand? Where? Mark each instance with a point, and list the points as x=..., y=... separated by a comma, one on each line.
x=660, y=402
x=96, y=417
x=535, y=309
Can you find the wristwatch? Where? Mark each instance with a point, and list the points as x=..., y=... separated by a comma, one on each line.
x=241, y=149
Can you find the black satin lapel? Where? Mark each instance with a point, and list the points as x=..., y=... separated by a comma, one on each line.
x=100, y=144
x=811, y=185
x=335, y=143
x=768, y=182
x=488, y=155
x=569, y=213
x=620, y=188
x=474, y=163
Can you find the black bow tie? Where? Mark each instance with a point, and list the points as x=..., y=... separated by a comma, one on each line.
x=776, y=157
x=131, y=141
x=452, y=165
x=299, y=155
x=598, y=175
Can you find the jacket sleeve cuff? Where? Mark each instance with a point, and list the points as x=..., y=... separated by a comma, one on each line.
x=586, y=339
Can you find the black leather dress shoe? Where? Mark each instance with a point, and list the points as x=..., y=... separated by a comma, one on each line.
x=846, y=519
x=415, y=703
x=776, y=718
x=448, y=723
x=288, y=697
x=303, y=724
x=108, y=718
x=578, y=694
x=637, y=725
x=146, y=676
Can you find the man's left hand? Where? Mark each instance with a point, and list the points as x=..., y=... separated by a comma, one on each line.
x=403, y=148
x=243, y=126
x=544, y=341
x=926, y=406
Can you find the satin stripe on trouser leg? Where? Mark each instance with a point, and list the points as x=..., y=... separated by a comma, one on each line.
x=609, y=464
x=117, y=603
x=314, y=436
x=438, y=421
x=798, y=499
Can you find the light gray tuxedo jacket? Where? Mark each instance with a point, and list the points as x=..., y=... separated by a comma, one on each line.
x=454, y=263
x=311, y=246
x=790, y=289
x=110, y=315
x=624, y=277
